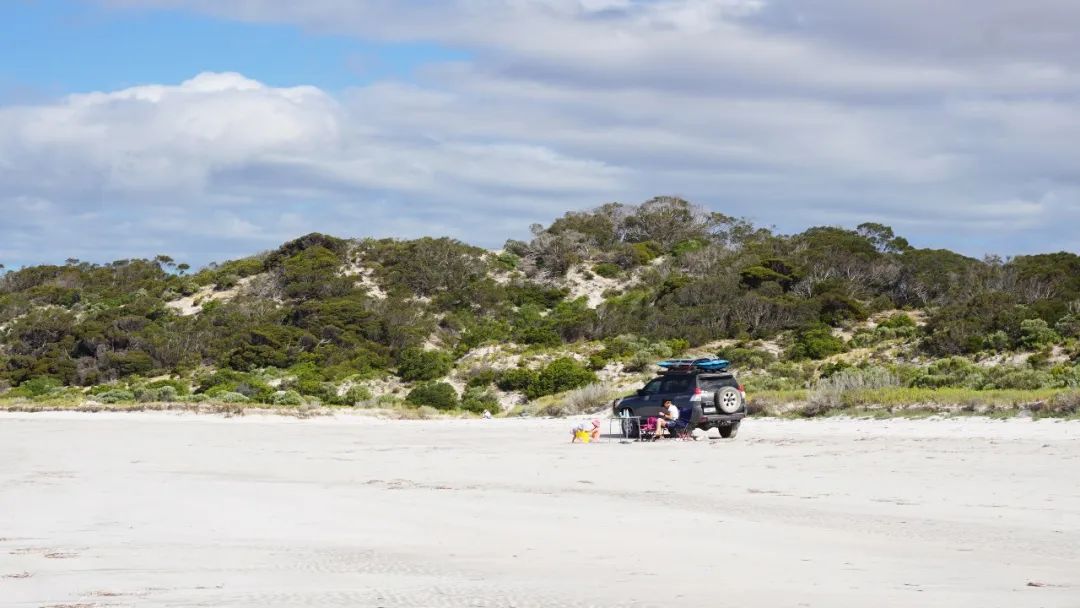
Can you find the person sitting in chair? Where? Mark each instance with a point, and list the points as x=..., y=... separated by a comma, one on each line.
x=669, y=417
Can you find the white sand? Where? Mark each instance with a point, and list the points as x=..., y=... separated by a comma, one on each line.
x=178, y=510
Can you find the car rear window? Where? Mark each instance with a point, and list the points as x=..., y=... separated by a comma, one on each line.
x=715, y=383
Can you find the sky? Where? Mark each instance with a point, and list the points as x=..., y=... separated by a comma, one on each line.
x=212, y=129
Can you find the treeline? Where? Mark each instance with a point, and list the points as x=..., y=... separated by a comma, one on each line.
x=323, y=309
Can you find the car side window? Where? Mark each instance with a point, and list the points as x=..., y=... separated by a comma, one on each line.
x=652, y=388
x=677, y=385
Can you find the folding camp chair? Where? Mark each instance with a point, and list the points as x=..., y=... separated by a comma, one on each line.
x=683, y=427
x=646, y=429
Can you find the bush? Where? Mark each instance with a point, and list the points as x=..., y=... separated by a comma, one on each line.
x=897, y=321
x=356, y=394
x=954, y=372
x=116, y=396
x=1019, y=378
x=38, y=387
x=478, y=399
x=517, y=379
x=507, y=261
x=228, y=381
x=290, y=398
x=439, y=395
x=179, y=386
x=480, y=377
x=997, y=341
x=1066, y=376
x=678, y=346
x=816, y=342
x=560, y=375
x=1069, y=326
x=747, y=358
x=163, y=394
x=607, y=270
x=418, y=365
x=1036, y=333
x=229, y=397
x=597, y=361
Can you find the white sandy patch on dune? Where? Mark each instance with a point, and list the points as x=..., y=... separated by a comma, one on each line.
x=193, y=304
x=170, y=510
x=593, y=288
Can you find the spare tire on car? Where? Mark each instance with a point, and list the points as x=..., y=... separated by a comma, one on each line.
x=728, y=400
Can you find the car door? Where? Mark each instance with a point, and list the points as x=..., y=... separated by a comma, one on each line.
x=648, y=400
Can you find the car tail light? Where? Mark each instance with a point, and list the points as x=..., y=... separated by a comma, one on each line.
x=697, y=390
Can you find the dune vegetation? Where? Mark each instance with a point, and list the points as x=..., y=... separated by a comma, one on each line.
x=827, y=320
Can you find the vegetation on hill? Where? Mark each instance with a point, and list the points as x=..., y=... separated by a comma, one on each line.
x=342, y=322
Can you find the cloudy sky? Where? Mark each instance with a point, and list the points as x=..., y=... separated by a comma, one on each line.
x=210, y=129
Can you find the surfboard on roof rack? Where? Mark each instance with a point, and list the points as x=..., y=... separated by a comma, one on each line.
x=705, y=364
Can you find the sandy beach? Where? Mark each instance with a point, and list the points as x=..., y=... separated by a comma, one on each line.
x=184, y=510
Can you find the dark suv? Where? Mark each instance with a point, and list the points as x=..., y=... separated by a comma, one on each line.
x=713, y=399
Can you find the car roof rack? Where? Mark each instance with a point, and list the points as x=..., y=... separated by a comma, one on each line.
x=707, y=364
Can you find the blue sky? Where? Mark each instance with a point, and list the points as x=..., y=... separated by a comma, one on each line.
x=207, y=129
x=54, y=47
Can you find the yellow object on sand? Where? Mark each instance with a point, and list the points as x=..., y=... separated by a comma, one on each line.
x=584, y=436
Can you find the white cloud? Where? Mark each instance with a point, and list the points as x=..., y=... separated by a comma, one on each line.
x=953, y=119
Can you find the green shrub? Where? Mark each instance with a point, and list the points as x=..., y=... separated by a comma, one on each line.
x=997, y=341
x=38, y=387
x=229, y=381
x=481, y=377
x=516, y=379
x=560, y=375
x=678, y=346
x=507, y=261
x=897, y=321
x=1069, y=326
x=607, y=270
x=643, y=253
x=1040, y=360
x=1036, y=333
x=116, y=396
x=747, y=358
x=357, y=394
x=415, y=364
x=597, y=361
x=290, y=398
x=816, y=342
x=478, y=400
x=229, y=397
x=179, y=386
x=688, y=246
x=1019, y=378
x=952, y=372
x=1066, y=376
x=439, y=395
x=163, y=394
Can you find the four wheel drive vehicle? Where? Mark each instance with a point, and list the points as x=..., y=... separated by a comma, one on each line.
x=704, y=386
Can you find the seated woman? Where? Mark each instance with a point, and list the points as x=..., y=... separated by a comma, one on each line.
x=669, y=418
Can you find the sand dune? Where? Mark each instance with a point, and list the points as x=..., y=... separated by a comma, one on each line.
x=180, y=510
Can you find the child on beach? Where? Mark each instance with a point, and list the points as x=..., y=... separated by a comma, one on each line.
x=586, y=430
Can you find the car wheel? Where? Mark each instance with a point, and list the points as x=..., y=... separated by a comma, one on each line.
x=729, y=431
x=629, y=425
x=728, y=400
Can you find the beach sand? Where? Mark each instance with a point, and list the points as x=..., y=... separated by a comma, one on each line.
x=182, y=510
